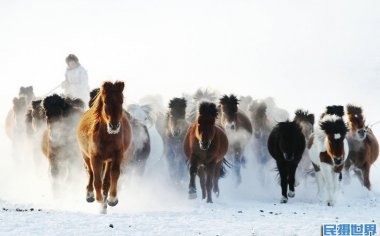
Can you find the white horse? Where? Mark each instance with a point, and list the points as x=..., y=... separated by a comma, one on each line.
x=328, y=154
x=147, y=116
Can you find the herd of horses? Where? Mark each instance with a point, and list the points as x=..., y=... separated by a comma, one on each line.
x=203, y=135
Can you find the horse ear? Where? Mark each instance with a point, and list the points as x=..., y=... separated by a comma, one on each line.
x=30, y=88
x=119, y=85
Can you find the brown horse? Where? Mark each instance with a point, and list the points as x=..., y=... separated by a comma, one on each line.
x=58, y=139
x=205, y=146
x=238, y=129
x=14, y=123
x=104, y=135
x=364, y=147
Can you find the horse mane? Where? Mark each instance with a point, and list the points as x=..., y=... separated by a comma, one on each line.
x=178, y=106
x=208, y=109
x=354, y=110
x=232, y=100
x=304, y=116
x=332, y=124
x=288, y=127
x=54, y=100
x=335, y=110
x=93, y=95
x=75, y=102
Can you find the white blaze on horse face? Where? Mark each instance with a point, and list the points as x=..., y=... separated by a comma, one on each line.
x=337, y=136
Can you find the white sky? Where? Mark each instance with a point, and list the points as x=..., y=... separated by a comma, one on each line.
x=305, y=53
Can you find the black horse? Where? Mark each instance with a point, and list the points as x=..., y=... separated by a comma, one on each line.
x=286, y=144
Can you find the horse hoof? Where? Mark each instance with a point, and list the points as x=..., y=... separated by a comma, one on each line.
x=90, y=197
x=291, y=194
x=331, y=204
x=112, y=201
x=192, y=193
x=209, y=201
x=284, y=200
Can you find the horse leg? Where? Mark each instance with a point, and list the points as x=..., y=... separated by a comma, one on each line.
x=210, y=170
x=292, y=180
x=367, y=183
x=193, y=172
x=202, y=181
x=106, y=179
x=97, y=167
x=319, y=177
x=216, y=178
x=90, y=186
x=284, y=182
x=237, y=166
x=115, y=174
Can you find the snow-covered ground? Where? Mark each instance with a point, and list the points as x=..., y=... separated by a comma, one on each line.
x=151, y=206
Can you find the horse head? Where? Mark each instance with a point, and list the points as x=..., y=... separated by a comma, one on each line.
x=356, y=122
x=205, y=126
x=56, y=109
x=305, y=121
x=111, y=97
x=335, y=130
x=26, y=92
x=229, y=108
x=177, y=124
x=259, y=118
x=38, y=114
x=143, y=113
x=289, y=134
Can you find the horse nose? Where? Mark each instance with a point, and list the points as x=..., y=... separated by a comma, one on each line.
x=205, y=145
x=233, y=126
x=114, y=126
x=337, y=161
x=361, y=133
x=176, y=132
x=288, y=157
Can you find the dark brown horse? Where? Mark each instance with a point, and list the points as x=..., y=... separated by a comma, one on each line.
x=205, y=146
x=104, y=136
x=59, y=143
x=175, y=132
x=238, y=129
x=364, y=147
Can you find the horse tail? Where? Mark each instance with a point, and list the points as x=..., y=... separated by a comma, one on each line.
x=223, y=168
